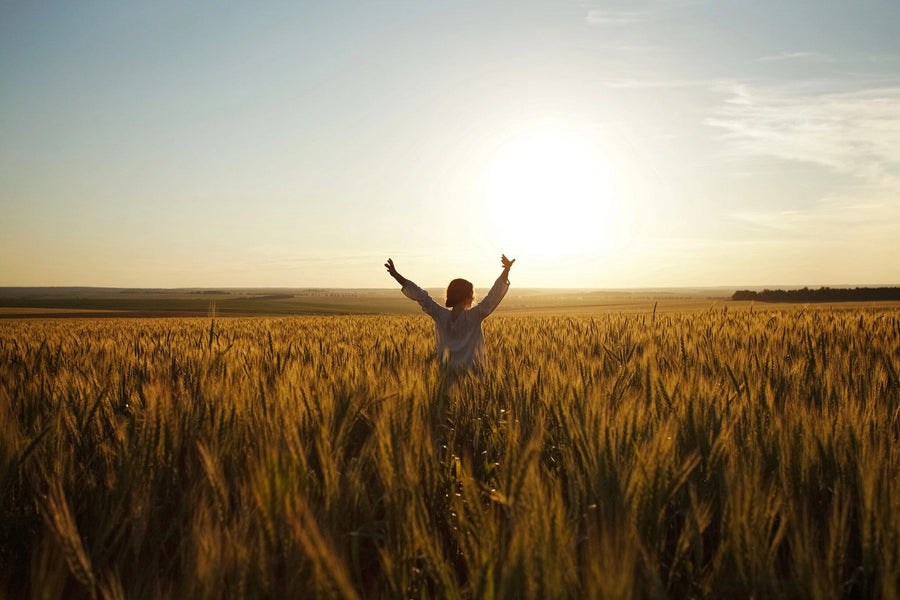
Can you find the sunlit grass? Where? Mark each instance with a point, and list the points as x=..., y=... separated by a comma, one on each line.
x=726, y=454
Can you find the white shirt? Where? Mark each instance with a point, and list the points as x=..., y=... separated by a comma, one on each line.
x=460, y=340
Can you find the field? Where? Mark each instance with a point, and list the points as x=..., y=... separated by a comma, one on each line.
x=711, y=453
x=114, y=302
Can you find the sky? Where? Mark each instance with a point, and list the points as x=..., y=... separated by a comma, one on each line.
x=603, y=144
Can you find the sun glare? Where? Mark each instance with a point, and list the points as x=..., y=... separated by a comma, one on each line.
x=549, y=194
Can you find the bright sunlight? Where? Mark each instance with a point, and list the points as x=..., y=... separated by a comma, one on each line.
x=549, y=194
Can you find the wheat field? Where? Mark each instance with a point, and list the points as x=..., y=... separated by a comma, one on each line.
x=733, y=454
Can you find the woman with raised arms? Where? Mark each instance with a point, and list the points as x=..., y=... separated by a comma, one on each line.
x=457, y=328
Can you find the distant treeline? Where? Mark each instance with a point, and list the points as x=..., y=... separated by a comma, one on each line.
x=823, y=294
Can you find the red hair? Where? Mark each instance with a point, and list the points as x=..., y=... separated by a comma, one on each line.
x=459, y=291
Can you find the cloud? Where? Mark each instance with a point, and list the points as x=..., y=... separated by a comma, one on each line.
x=623, y=13
x=613, y=16
x=654, y=84
x=809, y=57
x=852, y=133
x=835, y=219
x=881, y=59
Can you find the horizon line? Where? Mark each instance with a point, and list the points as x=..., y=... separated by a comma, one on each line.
x=383, y=288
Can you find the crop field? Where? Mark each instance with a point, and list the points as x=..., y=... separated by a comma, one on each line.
x=725, y=454
x=117, y=303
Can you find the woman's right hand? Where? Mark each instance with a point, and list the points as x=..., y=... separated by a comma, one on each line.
x=390, y=268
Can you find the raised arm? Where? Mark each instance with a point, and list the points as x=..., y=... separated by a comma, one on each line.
x=497, y=291
x=414, y=292
x=393, y=272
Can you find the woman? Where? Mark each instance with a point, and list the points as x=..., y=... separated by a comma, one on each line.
x=457, y=331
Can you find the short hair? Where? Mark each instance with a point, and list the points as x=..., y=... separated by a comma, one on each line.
x=459, y=291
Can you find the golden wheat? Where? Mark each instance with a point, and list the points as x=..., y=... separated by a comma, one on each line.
x=619, y=456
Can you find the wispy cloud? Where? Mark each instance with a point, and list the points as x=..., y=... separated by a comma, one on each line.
x=616, y=16
x=654, y=84
x=881, y=59
x=853, y=133
x=808, y=57
x=619, y=13
x=833, y=219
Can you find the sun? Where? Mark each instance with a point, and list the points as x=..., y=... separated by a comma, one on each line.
x=548, y=194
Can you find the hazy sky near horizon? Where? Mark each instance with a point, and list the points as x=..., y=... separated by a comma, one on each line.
x=602, y=143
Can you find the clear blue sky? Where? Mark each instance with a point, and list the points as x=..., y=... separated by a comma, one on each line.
x=604, y=144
